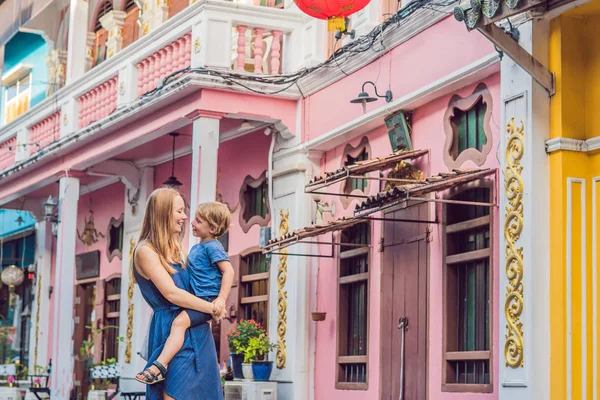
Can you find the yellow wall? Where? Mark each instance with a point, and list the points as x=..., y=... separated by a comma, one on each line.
x=575, y=113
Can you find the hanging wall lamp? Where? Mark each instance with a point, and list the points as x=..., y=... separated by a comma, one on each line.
x=172, y=181
x=364, y=97
x=51, y=207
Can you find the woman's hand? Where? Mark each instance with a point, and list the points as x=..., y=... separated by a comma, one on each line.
x=219, y=305
x=217, y=316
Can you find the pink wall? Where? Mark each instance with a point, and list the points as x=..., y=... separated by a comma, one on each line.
x=427, y=133
x=107, y=203
x=251, y=152
x=238, y=158
x=431, y=55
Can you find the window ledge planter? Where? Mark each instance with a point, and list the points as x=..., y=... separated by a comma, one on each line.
x=318, y=316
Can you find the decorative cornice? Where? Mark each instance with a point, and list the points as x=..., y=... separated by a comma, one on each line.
x=568, y=144
x=204, y=113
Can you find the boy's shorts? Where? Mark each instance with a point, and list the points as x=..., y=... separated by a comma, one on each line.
x=198, y=317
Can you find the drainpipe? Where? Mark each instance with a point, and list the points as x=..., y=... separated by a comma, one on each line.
x=270, y=131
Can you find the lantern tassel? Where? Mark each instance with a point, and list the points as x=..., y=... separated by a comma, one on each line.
x=336, y=24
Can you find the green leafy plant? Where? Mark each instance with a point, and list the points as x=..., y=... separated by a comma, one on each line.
x=87, y=346
x=258, y=347
x=240, y=335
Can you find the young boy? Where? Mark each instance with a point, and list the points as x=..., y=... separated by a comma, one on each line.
x=211, y=277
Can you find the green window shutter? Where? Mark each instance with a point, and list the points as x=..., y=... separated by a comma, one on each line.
x=470, y=133
x=481, y=110
x=461, y=128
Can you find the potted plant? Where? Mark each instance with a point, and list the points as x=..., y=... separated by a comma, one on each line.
x=238, y=338
x=258, y=348
x=11, y=381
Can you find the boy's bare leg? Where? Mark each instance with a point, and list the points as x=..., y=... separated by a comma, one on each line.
x=173, y=344
x=176, y=338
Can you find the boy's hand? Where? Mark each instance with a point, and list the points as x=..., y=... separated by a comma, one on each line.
x=219, y=306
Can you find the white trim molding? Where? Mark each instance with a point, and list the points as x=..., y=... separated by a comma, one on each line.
x=570, y=183
x=569, y=144
x=595, y=181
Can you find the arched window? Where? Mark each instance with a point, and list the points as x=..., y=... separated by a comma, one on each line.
x=101, y=34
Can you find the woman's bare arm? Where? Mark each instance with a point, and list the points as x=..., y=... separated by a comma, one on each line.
x=150, y=267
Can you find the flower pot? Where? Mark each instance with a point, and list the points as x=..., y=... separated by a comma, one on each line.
x=262, y=370
x=247, y=369
x=236, y=364
x=318, y=316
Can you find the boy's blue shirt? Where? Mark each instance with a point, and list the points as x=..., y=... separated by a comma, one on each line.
x=205, y=275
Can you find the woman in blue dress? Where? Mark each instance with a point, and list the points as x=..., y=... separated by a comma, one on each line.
x=159, y=269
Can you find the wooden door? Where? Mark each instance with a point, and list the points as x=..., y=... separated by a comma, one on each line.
x=83, y=317
x=404, y=294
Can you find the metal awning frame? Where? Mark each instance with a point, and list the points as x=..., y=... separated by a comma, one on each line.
x=366, y=215
x=276, y=248
x=312, y=188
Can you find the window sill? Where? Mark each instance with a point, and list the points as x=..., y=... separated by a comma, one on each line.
x=351, y=386
x=467, y=388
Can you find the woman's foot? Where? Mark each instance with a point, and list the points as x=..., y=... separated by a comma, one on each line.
x=155, y=373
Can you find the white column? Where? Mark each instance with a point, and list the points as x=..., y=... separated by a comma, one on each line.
x=136, y=317
x=528, y=103
x=62, y=346
x=39, y=332
x=76, y=58
x=289, y=177
x=205, y=149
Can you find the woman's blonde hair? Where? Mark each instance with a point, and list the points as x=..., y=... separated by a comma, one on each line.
x=217, y=215
x=157, y=225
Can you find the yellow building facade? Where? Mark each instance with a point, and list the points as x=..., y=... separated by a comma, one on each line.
x=574, y=152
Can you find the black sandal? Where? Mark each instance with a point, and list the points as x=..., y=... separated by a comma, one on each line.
x=151, y=377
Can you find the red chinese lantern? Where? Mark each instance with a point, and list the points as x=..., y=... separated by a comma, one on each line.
x=334, y=11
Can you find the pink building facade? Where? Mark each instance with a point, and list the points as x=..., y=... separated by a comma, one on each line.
x=245, y=141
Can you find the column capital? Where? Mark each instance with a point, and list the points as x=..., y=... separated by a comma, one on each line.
x=194, y=115
x=56, y=61
x=90, y=40
x=113, y=23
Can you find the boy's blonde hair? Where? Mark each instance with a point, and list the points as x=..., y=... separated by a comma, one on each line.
x=217, y=215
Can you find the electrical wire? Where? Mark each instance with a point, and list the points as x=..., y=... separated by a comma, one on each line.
x=360, y=45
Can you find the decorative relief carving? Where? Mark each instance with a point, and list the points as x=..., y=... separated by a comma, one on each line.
x=37, y=318
x=90, y=234
x=513, y=226
x=130, y=305
x=284, y=228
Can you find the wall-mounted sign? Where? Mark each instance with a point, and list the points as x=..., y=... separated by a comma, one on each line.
x=88, y=265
